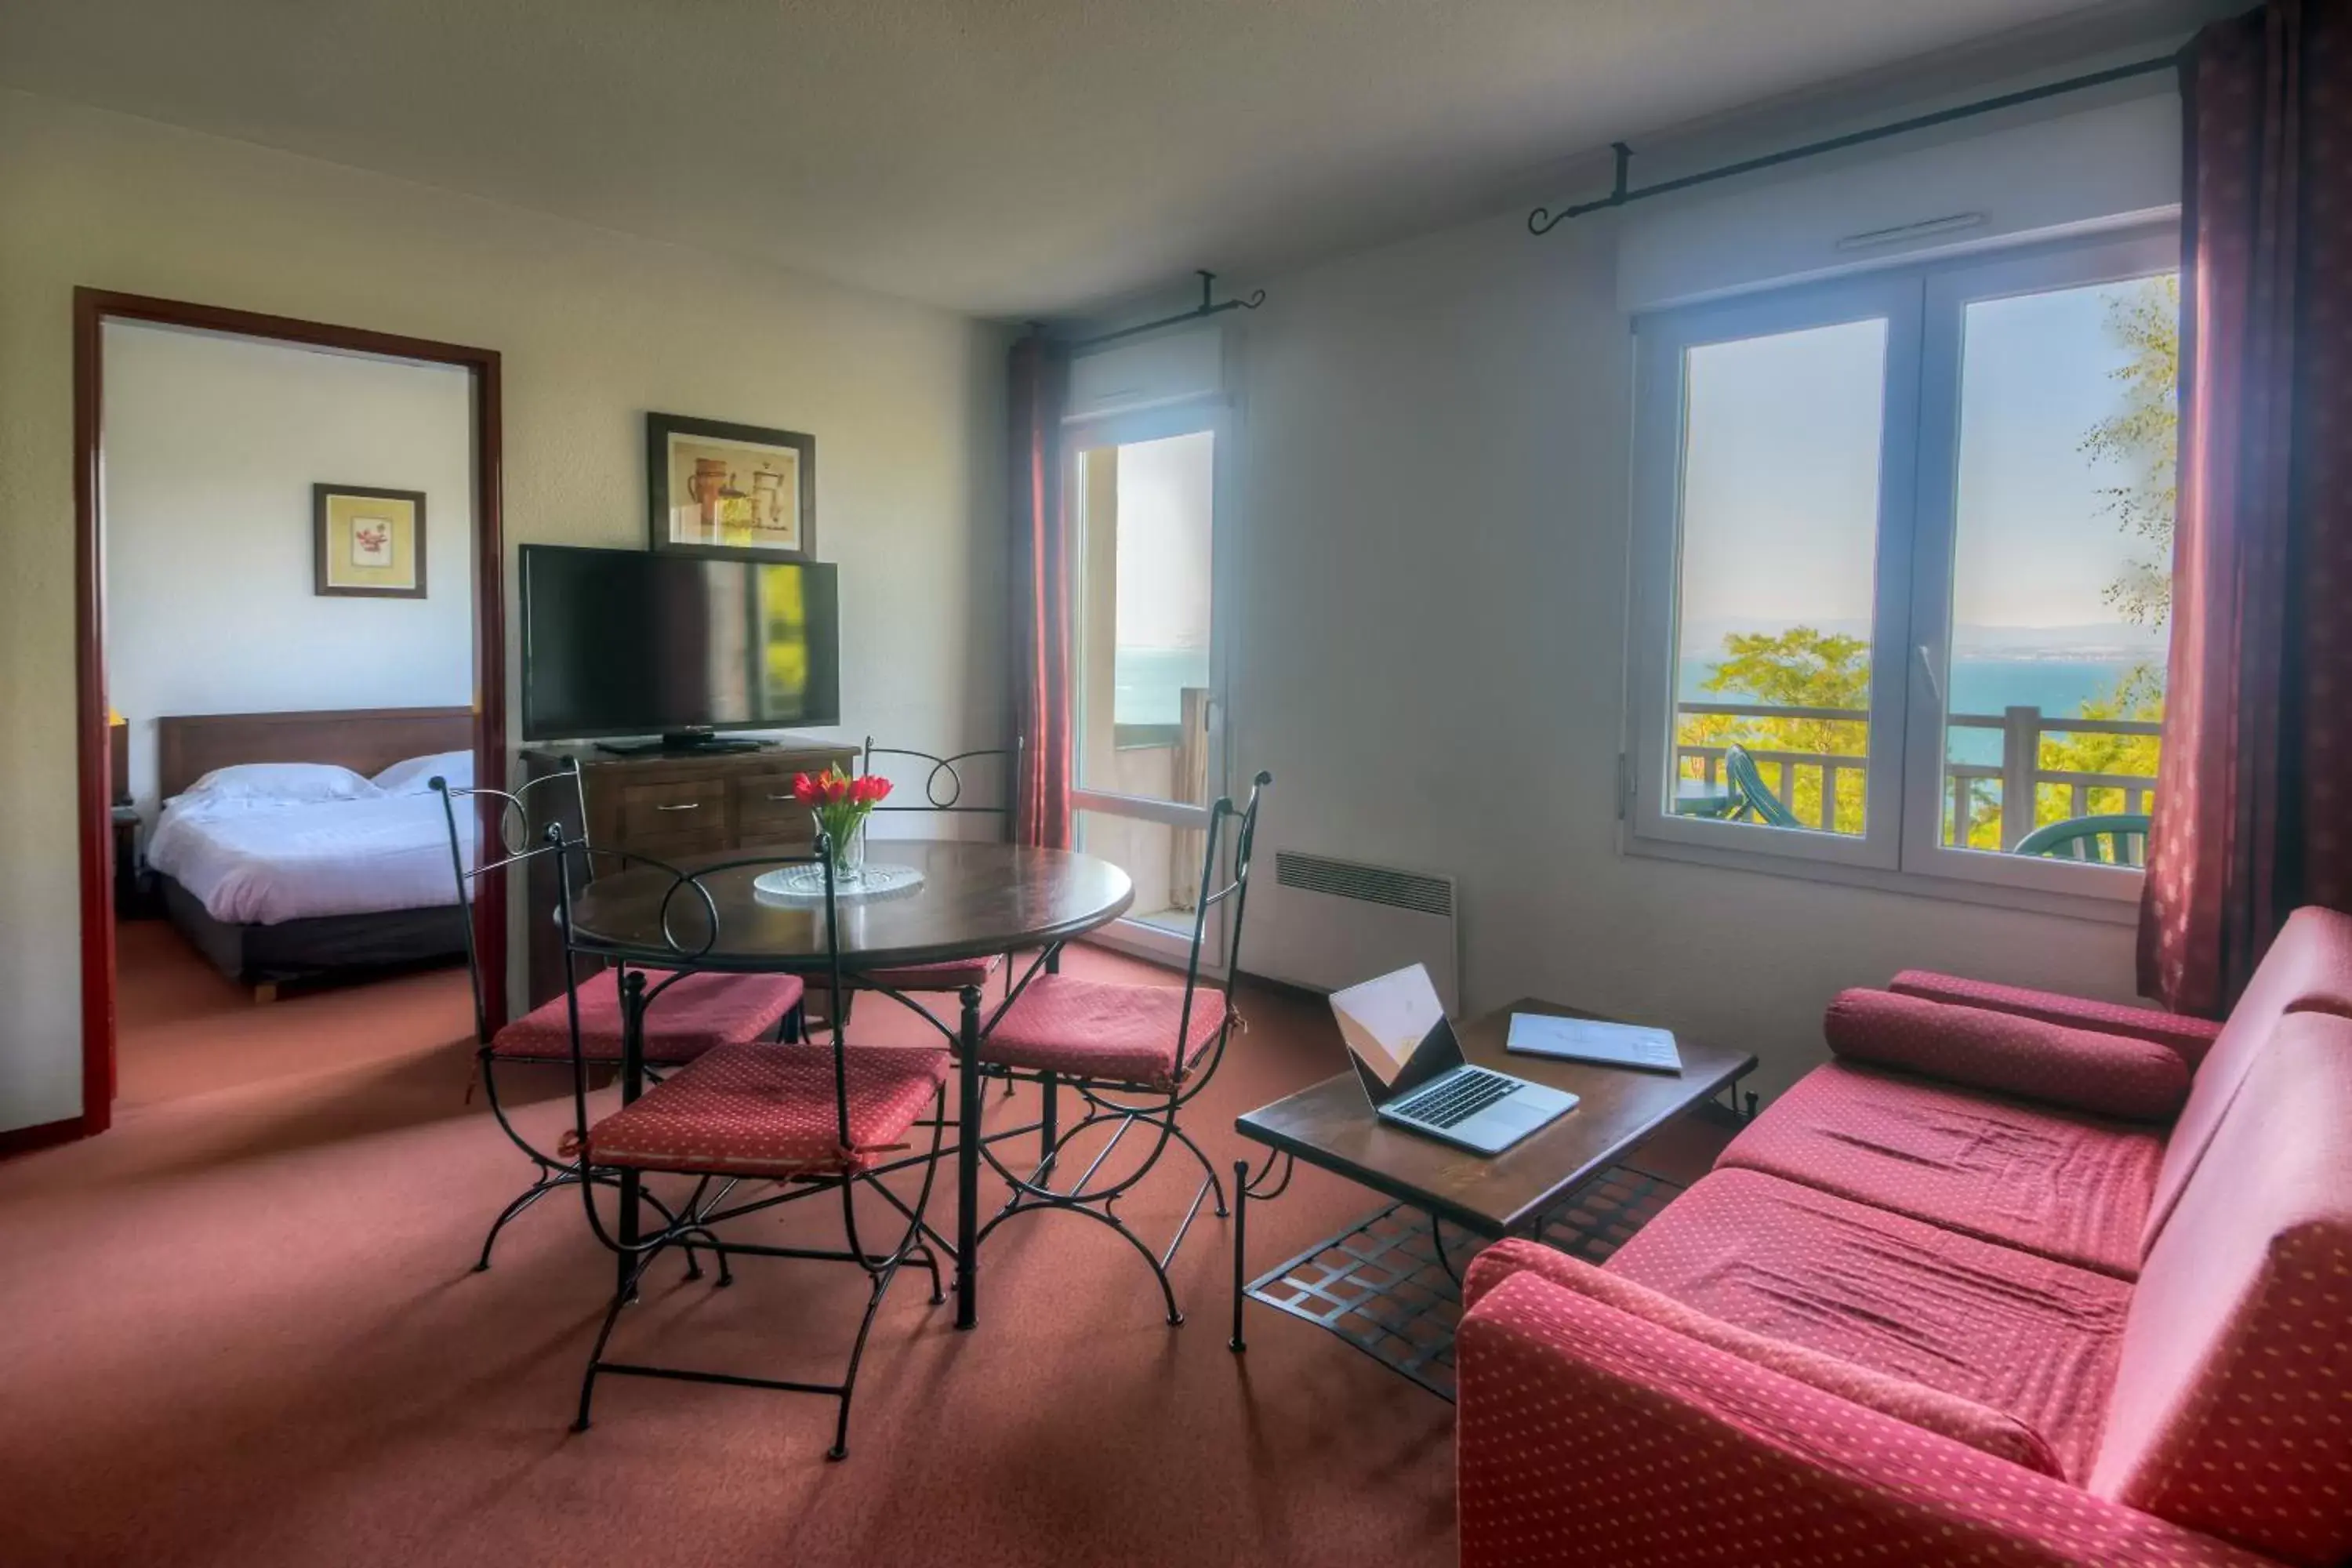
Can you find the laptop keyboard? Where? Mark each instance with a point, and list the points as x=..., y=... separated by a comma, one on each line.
x=1458, y=1099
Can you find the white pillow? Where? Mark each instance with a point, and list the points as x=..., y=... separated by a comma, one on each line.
x=415, y=776
x=292, y=783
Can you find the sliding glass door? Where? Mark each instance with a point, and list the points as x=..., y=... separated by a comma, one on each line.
x=1150, y=743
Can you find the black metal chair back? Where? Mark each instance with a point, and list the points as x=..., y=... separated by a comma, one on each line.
x=519, y=839
x=689, y=934
x=1236, y=890
x=944, y=783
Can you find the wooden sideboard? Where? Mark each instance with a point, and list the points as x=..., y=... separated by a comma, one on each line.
x=668, y=805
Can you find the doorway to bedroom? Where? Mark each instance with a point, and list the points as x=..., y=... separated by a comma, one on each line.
x=293, y=568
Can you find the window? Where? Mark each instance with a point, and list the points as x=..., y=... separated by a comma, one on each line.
x=1902, y=568
x=1148, y=746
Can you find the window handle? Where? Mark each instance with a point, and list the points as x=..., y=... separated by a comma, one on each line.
x=1928, y=672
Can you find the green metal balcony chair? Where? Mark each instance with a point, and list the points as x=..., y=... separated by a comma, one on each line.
x=1755, y=796
x=2119, y=838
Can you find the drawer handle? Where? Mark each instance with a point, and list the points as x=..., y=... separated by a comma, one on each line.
x=785, y=798
x=689, y=806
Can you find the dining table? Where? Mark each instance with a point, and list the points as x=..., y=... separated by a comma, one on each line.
x=965, y=899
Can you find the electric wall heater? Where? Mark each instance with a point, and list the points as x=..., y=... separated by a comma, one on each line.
x=1331, y=924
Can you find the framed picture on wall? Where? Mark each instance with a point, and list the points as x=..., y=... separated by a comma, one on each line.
x=737, y=490
x=369, y=543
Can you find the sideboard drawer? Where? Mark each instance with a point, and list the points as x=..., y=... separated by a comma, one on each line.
x=685, y=811
x=765, y=811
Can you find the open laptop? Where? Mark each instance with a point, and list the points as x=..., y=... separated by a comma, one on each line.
x=1412, y=1067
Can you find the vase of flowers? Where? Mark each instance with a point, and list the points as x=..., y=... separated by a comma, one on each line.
x=841, y=803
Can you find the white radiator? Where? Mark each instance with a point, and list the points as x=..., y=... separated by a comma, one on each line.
x=1330, y=924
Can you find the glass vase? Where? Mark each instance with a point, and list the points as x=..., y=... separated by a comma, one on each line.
x=848, y=853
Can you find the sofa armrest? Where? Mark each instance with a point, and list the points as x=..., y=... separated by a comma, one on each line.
x=1587, y=1434
x=2106, y=1075
x=2192, y=1038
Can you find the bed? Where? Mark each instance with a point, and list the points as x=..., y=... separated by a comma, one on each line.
x=274, y=893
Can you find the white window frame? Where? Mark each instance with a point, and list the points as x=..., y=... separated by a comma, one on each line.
x=1925, y=310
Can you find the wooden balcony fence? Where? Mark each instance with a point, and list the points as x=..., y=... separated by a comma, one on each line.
x=2018, y=777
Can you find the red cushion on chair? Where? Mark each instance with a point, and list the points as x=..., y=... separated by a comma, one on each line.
x=1101, y=1029
x=953, y=975
x=698, y=1014
x=2081, y=1069
x=768, y=1111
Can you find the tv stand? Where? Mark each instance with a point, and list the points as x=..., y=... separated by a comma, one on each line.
x=682, y=744
x=668, y=806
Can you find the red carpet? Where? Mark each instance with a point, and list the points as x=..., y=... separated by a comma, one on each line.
x=240, y=1329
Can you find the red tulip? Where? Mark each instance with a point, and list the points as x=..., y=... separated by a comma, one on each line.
x=835, y=787
x=881, y=786
x=804, y=789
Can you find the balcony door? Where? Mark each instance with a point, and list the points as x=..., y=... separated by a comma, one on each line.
x=1150, y=734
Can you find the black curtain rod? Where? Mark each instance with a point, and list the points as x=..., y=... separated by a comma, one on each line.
x=1543, y=220
x=1208, y=281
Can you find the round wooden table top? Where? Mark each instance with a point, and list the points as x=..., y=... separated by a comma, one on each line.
x=975, y=899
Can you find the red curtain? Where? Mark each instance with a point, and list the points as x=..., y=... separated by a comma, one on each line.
x=1041, y=594
x=2254, y=802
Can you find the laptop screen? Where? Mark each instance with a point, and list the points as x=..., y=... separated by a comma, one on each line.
x=1385, y=1021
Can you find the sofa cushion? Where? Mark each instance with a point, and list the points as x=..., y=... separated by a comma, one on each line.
x=1962, y=1420
x=2189, y=1036
x=2233, y=1408
x=2021, y=1334
x=2071, y=1188
x=2307, y=969
x=2074, y=1069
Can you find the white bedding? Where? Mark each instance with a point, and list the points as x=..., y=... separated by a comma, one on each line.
x=262, y=862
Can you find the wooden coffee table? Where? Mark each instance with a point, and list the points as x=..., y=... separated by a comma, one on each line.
x=1388, y=1285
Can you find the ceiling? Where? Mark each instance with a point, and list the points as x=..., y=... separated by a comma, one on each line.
x=1001, y=157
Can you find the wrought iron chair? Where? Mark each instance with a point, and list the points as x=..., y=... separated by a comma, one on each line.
x=1136, y=1055
x=715, y=1009
x=2116, y=839
x=944, y=789
x=1756, y=796
x=810, y=1117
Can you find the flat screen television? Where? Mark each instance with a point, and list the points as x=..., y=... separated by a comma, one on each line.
x=625, y=642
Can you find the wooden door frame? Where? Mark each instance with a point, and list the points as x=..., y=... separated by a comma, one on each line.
x=92, y=308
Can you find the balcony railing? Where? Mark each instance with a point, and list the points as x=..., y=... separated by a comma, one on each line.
x=2019, y=775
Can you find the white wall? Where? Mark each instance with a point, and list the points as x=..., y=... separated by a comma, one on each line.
x=212, y=446
x=906, y=405
x=1431, y=639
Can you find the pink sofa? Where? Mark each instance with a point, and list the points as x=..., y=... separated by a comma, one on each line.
x=2015, y=1278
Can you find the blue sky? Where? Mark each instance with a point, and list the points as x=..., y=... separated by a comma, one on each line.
x=1781, y=477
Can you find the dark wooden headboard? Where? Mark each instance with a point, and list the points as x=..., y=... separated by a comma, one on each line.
x=365, y=740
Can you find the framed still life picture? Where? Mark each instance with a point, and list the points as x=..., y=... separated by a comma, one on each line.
x=731, y=489
x=369, y=543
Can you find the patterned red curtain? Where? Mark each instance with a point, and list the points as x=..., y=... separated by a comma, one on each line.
x=1041, y=594
x=2254, y=802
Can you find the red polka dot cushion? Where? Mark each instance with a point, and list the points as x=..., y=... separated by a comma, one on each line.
x=2070, y=1187
x=1962, y=1420
x=698, y=1014
x=2232, y=1409
x=2189, y=1036
x=2081, y=1069
x=1103, y=1030
x=2034, y=1340
x=2307, y=970
x=771, y=1111
x=1588, y=1435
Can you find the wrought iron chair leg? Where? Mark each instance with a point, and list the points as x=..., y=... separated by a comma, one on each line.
x=1215, y=1186
x=548, y=1181
x=621, y=1296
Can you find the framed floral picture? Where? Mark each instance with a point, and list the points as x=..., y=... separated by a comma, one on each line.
x=368, y=544
x=735, y=491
